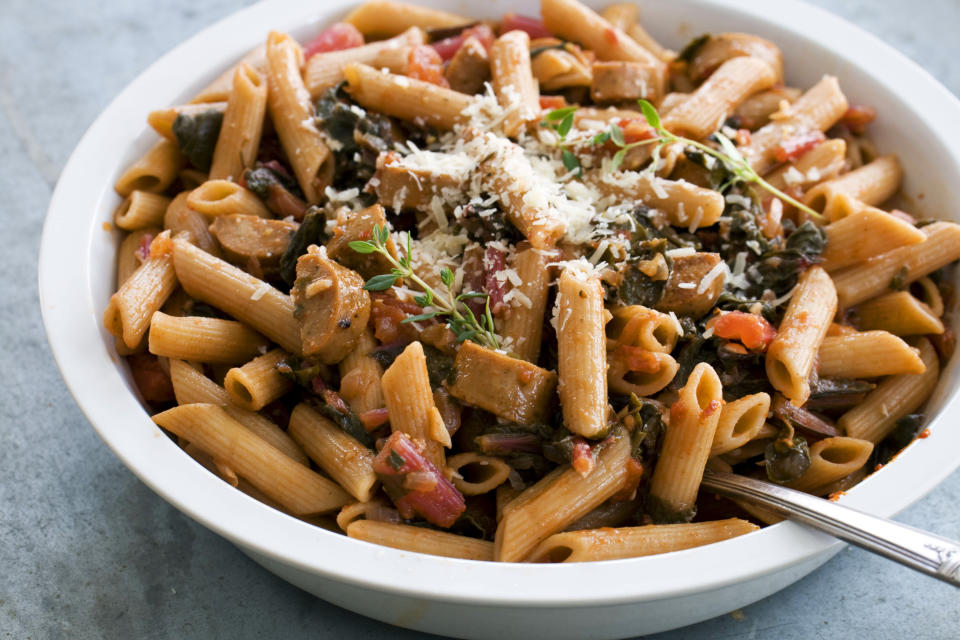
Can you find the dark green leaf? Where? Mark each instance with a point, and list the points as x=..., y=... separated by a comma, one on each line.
x=381, y=282
x=312, y=231
x=650, y=113
x=561, y=113
x=197, y=136
x=601, y=138
x=570, y=161
x=617, y=159
x=616, y=134
x=446, y=276
x=361, y=246
x=787, y=459
x=689, y=51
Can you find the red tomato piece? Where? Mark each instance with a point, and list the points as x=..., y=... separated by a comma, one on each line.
x=533, y=26
x=552, y=102
x=635, y=129
x=426, y=64
x=448, y=47
x=796, y=146
x=341, y=35
x=857, y=117
x=751, y=330
x=639, y=359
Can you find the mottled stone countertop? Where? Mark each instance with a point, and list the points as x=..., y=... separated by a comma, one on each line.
x=88, y=551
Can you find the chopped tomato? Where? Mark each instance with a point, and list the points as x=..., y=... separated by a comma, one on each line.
x=797, y=145
x=639, y=359
x=448, y=47
x=582, y=458
x=857, y=118
x=515, y=22
x=552, y=102
x=635, y=129
x=424, y=63
x=143, y=249
x=610, y=35
x=387, y=315
x=743, y=137
x=341, y=35
x=751, y=330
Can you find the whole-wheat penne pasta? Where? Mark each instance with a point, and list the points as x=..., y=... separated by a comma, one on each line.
x=337, y=453
x=179, y=217
x=755, y=111
x=292, y=114
x=522, y=326
x=291, y=484
x=387, y=18
x=191, y=386
x=709, y=106
x=203, y=339
x=740, y=422
x=513, y=81
x=559, y=499
x=791, y=355
x=685, y=204
x=475, y=474
x=133, y=251
x=409, y=399
x=408, y=538
x=325, y=70
x=872, y=184
x=830, y=460
x=867, y=354
x=224, y=198
x=574, y=21
x=406, y=98
x=816, y=110
x=929, y=293
x=893, y=398
x=644, y=373
x=242, y=125
x=581, y=348
x=162, y=119
x=219, y=89
x=638, y=326
x=875, y=276
x=141, y=209
x=258, y=382
x=154, y=172
x=249, y=299
x=129, y=311
x=900, y=313
x=721, y=47
x=822, y=162
x=686, y=447
x=591, y=545
x=864, y=234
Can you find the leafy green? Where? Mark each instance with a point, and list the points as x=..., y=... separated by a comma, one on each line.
x=690, y=51
x=348, y=422
x=197, y=136
x=787, y=458
x=904, y=431
x=313, y=230
x=361, y=135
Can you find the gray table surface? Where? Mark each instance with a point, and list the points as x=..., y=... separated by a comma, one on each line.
x=88, y=551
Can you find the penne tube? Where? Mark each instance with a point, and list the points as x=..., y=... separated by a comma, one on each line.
x=740, y=422
x=559, y=499
x=409, y=399
x=291, y=484
x=292, y=115
x=258, y=383
x=387, y=18
x=894, y=398
x=624, y=17
x=713, y=101
x=791, y=354
x=154, y=172
x=162, y=119
x=407, y=98
x=867, y=354
x=899, y=267
x=872, y=184
x=513, y=81
x=224, y=198
x=644, y=373
x=572, y=20
x=420, y=540
x=130, y=255
x=141, y=209
x=693, y=422
x=830, y=460
x=239, y=138
x=250, y=300
x=929, y=294
x=128, y=313
x=722, y=47
x=862, y=235
x=474, y=474
x=816, y=110
x=581, y=351
x=638, y=326
x=325, y=70
x=219, y=89
x=822, y=162
x=522, y=326
x=337, y=453
x=202, y=339
x=684, y=204
x=191, y=386
x=755, y=111
x=179, y=217
x=591, y=545
x=360, y=375
x=899, y=313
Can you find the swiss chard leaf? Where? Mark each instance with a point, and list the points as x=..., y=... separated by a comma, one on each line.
x=197, y=136
x=787, y=459
x=313, y=230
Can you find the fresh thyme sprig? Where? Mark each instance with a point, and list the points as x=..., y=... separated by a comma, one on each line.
x=561, y=121
x=459, y=317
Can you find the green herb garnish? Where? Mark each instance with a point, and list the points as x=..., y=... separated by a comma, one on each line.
x=459, y=317
x=561, y=121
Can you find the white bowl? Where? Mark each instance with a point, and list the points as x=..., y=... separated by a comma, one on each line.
x=456, y=597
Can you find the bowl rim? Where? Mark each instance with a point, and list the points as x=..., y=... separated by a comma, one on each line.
x=91, y=373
